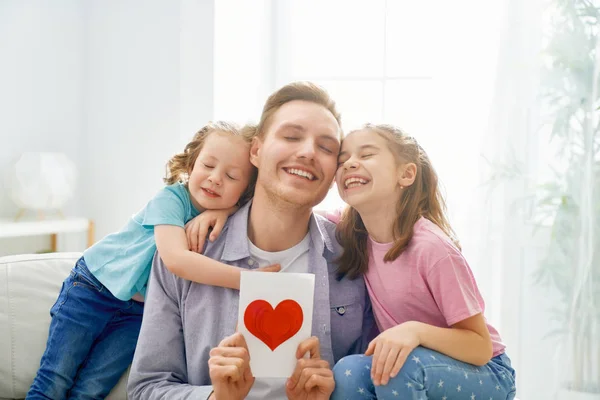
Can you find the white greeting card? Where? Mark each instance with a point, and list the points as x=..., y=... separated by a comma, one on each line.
x=275, y=316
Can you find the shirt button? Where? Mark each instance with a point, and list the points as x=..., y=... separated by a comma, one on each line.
x=341, y=310
x=250, y=262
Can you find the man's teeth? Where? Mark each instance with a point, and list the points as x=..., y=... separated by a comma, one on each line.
x=354, y=182
x=300, y=172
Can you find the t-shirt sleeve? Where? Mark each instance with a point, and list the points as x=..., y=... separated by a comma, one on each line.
x=454, y=289
x=166, y=208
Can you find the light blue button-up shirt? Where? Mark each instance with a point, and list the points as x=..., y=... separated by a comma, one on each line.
x=183, y=320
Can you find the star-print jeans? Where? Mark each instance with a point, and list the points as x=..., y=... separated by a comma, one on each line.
x=426, y=374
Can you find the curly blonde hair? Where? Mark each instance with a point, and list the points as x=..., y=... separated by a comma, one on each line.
x=180, y=166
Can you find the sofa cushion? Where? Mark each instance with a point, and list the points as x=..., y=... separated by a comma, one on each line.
x=29, y=286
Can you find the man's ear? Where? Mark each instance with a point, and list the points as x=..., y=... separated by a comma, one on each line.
x=255, y=149
x=407, y=174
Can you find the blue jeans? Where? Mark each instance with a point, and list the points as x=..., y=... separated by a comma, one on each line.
x=426, y=374
x=91, y=341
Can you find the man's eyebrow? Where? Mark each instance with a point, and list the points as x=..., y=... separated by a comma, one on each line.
x=292, y=126
x=364, y=146
x=330, y=138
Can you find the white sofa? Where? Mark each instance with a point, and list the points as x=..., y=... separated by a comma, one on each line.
x=29, y=286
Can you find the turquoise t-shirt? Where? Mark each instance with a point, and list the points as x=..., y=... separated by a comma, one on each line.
x=122, y=260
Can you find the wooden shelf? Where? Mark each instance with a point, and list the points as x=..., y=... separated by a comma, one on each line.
x=11, y=228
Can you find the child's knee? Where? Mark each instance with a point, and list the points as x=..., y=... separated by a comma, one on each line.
x=352, y=361
x=352, y=373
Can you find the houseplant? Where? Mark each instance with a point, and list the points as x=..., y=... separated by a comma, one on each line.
x=570, y=202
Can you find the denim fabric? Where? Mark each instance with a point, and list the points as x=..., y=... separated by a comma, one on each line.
x=426, y=374
x=91, y=341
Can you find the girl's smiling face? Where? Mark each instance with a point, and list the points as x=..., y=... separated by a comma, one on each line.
x=368, y=173
x=221, y=172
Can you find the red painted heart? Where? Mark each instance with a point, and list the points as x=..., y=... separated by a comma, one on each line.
x=273, y=326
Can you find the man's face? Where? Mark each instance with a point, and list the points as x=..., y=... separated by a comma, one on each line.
x=297, y=156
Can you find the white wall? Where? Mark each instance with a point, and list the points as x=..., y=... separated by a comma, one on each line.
x=118, y=86
x=41, y=90
x=135, y=89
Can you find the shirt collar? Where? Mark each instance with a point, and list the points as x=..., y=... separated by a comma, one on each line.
x=236, y=237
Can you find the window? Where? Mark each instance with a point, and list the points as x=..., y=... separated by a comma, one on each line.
x=379, y=61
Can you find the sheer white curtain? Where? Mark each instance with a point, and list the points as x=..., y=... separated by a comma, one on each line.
x=505, y=245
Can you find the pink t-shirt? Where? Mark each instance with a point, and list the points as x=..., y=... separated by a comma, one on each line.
x=429, y=282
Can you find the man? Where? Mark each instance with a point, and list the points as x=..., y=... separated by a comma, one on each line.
x=295, y=151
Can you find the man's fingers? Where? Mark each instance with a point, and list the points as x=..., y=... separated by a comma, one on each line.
x=308, y=373
x=235, y=340
x=248, y=376
x=302, y=365
x=224, y=361
x=326, y=383
x=225, y=372
x=310, y=345
x=235, y=352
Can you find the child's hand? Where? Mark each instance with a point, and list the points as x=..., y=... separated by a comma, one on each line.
x=197, y=229
x=390, y=350
x=268, y=268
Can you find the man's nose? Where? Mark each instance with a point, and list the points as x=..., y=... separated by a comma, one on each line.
x=307, y=149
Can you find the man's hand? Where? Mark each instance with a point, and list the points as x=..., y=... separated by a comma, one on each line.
x=197, y=229
x=312, y=379
x=229, y=367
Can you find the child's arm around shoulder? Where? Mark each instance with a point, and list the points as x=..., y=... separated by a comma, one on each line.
x=179, y=247
x=172, y=245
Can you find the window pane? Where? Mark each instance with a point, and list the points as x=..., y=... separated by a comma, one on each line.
x=241, y=82
x=332, y=38
x=410, y=33
x=443, y=128
x=358, y=101
x=407, y=105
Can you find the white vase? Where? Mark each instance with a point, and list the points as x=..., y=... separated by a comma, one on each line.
x=41, y=181
x=568, y=394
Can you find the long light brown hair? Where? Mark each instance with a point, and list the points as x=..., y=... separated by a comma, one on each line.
x=421, y=199
x=180, y=166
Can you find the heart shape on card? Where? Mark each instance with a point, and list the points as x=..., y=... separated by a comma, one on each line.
x=273, y=326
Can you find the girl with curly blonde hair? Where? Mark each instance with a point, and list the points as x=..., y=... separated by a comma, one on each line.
x=98, y=314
